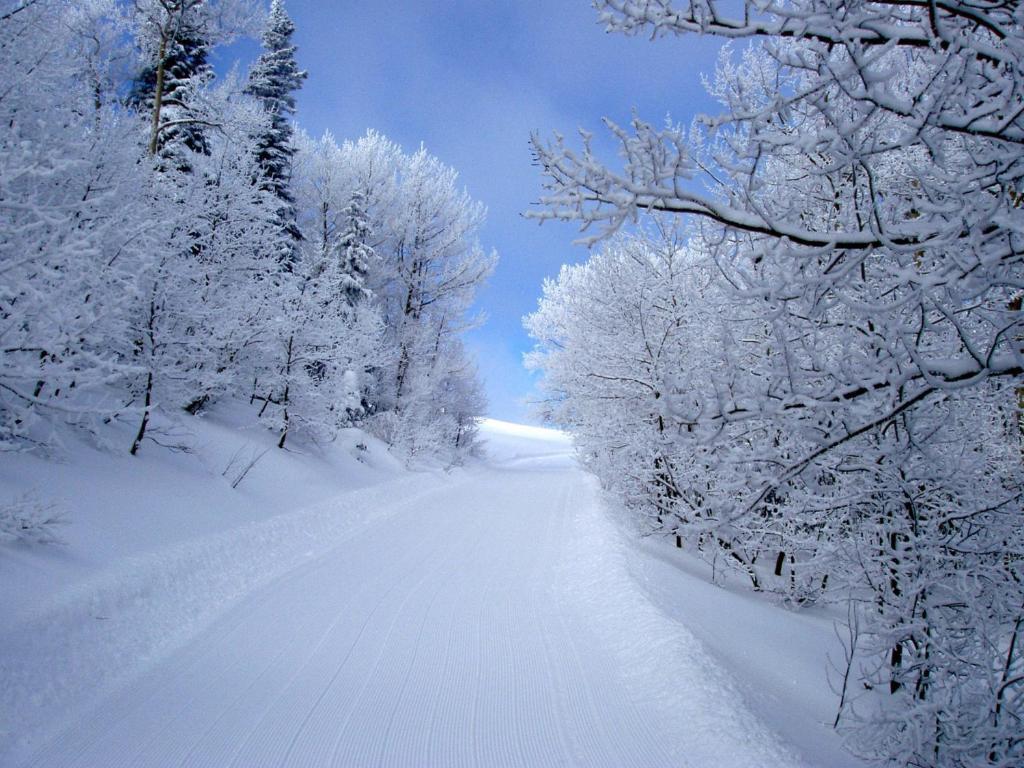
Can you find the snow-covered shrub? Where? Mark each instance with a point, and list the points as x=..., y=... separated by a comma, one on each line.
x=29, y=519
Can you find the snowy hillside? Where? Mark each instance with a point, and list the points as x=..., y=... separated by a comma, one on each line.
x=336, y=610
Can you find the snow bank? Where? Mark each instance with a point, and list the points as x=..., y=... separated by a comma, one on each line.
x=106, y=631
x=160, y=545
x=729, y=668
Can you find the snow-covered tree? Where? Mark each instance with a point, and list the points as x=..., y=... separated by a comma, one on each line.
x=860, y=208
x=320, y=182
x=273, y=80
x=330, y=335
x=617, y=338
x=203, y=299
x=143, y=239
x=355, y=253
x=403, y=237
x=433, y=266
x=176, y=49
x=72, y=222
x=314, y=378
x=174, y=38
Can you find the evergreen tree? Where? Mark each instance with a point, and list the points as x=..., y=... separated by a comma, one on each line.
x=355, y=253
x=167, y=87
x=273, y=80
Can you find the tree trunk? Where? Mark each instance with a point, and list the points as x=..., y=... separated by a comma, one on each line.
x=779, y=561
x=895, y=662
x=284, y=432
x=158, y=96
x=731, y=552
x=287, y=387
x=145, y=414
x=148, y=399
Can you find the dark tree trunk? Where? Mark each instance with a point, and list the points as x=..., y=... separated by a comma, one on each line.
x=779, y=561
x=287, y=387
x=145, y=414
x=895, y=661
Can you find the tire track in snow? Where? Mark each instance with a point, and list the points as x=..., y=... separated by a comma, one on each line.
x=432, y=678
x=130, y=718
x=151, y=706
x=381, y=742
x=628, y=726
x=524, y=679
x=451, y=730
x=553, y=676
x=291, y=642
x=585, y=712
x=429, y=679
x=482, y=635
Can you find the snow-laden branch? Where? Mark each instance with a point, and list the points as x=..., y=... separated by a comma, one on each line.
x=921, y=23
x=823, y=367
x=583, y=189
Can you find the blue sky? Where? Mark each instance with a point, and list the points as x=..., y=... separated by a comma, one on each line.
x=471, y=80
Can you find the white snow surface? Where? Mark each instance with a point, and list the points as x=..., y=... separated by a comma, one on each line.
x=496, y=615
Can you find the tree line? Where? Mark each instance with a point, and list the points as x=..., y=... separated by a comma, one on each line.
x=170, y=240
x=799, y=350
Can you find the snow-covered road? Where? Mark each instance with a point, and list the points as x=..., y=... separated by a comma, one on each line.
x=489, y=621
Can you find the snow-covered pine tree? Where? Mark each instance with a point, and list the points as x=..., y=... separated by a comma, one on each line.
x=355, y=254
x=338, y=262
x=204, y=301
x=174, y=38
x=174, y=42
x=273, y=80
x=165, y=346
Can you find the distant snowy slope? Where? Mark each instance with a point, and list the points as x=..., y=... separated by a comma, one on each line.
x=521, y=446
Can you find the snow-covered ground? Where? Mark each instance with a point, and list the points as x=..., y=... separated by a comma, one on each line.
x=495, y=615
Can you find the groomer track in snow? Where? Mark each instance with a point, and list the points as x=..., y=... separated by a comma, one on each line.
x=489, y=621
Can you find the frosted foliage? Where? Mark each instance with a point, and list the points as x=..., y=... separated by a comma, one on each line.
x=355, y=254
x=400, y=236
x=273, y=80
x=70, y=210
x=830, y=399
x=203, y=299
x=174, y=38
x=152, y=258
x=220, y=21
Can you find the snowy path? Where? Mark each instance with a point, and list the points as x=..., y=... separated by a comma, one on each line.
x=489, y=623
